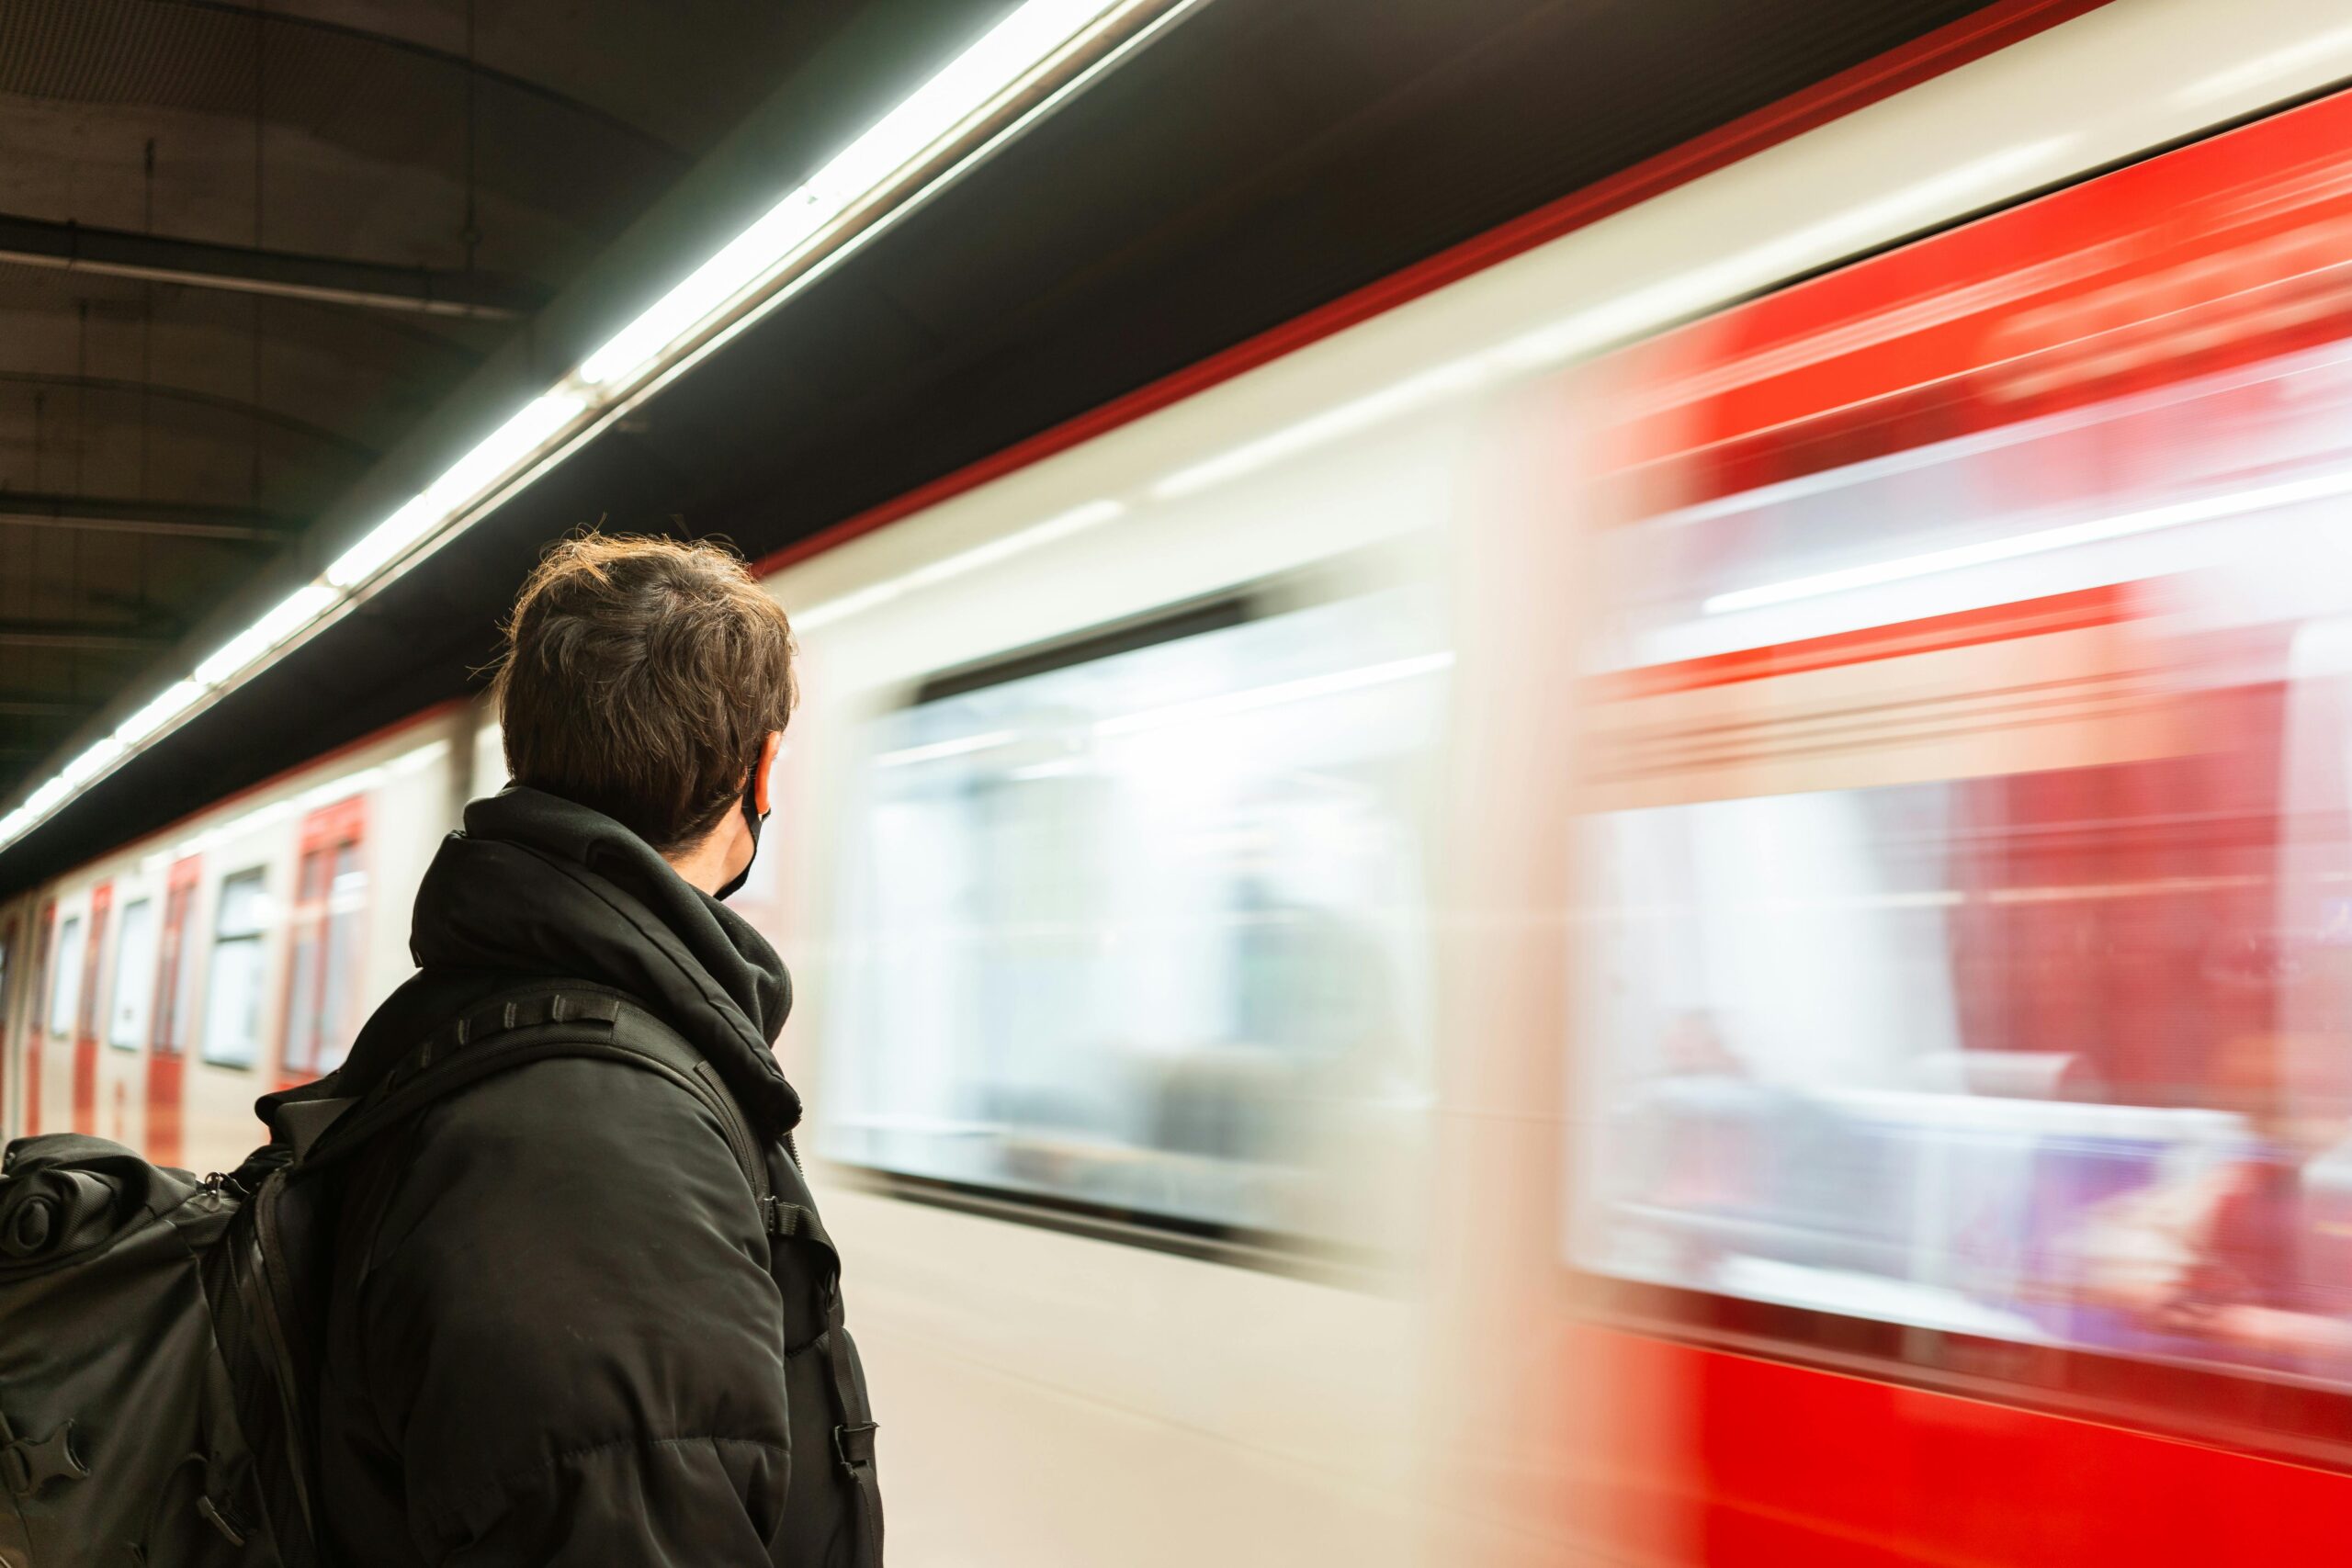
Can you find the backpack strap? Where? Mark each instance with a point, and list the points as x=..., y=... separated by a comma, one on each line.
x=319, y=1125
x=853, y=1438
x=511, y=1030
x=535, y=1024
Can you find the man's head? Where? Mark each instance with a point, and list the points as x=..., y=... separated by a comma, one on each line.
x=649, y=679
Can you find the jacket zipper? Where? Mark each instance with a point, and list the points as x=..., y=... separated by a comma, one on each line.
x=272, y=1269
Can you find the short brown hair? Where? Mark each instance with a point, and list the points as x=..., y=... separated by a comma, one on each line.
x=639, y=677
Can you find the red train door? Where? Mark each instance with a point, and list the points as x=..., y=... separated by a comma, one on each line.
x=167, y=1036
x=87, y=1012
x=330, y=899
x=37, y=1016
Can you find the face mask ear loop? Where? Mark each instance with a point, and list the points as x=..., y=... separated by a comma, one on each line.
x=753, y=818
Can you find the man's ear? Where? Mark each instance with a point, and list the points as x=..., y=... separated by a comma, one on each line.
x=764, y=768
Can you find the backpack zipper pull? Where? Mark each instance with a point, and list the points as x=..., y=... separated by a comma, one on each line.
x=218, y=1521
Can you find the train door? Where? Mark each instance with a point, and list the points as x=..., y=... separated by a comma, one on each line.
x=1956, y=946
x=167, y=1038
x=1504, y=1442
x=86, y=1011
x=129, y=1013
x=330, y=904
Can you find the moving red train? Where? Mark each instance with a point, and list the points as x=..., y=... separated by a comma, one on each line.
x=1688, y=901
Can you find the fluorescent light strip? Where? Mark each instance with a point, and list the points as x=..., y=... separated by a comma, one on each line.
x=2207, y=509
x=942, y=124
x=971, y=88
x=175, y=700
x=471, y=478
x=92, y=762
x=290, y=615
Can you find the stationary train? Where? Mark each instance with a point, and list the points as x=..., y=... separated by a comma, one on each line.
x=1688, y=900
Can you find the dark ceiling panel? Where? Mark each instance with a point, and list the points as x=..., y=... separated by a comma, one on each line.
x=300, y=135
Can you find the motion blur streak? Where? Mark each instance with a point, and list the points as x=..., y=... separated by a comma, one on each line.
x=1962, y=900
x=1727, y=949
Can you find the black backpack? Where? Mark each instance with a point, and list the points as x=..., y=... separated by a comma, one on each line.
x=155, y=1328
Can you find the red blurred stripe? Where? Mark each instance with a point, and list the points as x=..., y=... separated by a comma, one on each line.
x=1995, y=622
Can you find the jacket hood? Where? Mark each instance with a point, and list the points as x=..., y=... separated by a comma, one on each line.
x=538, y=886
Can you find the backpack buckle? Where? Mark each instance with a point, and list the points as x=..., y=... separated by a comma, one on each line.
x=28, y=1467
x=854, y=1445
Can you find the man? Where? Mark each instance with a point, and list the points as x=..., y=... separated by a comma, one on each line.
x=559, y=1328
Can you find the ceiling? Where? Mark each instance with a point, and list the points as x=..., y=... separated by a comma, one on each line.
x=1255, y=160
x=161, y=437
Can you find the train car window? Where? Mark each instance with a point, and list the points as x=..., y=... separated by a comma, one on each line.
x=134, y=973
x=65, y=972
x=234, y=988
x=1133, y=928
x=1966, y=917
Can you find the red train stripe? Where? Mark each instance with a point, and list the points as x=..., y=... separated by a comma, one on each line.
x=1789, y=1465
x=1995, y=622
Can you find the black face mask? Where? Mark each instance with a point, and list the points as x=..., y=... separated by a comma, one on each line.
x=754, y=819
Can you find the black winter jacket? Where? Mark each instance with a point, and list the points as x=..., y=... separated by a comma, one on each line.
x=551, y=1335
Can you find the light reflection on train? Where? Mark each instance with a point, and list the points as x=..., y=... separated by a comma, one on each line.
x=1684, y=957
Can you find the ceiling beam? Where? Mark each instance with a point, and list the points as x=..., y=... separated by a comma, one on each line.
x=247, y=14
x=199, y=263
x=44, y=707
x=71, y=637
x=163, y=519
x=190, y=397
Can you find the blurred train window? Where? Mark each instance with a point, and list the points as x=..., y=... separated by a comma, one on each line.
x=1965, y=922
x=1140, y=932
x=234, y=988
x=134, y=977
x=65, y=969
